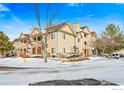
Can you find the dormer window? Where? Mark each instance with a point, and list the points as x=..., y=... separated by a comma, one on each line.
x=78, y=40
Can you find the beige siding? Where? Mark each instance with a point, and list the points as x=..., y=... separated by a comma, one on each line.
x=52, y=43
x=60, y=43
x=67, y=29
x=66, y=43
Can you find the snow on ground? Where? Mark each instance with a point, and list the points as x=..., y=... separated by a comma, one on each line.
x=28, y=62
x=97, y=68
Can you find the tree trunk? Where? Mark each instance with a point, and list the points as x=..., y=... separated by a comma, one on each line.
x=2, y=53
x=74, y=45
x=45, y=49
x=45, y=55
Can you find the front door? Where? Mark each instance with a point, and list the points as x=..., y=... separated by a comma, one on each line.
x=86, y=52
x=24, y=53
x=20, y=53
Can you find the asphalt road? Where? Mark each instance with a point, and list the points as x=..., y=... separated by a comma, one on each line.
x=103, y=70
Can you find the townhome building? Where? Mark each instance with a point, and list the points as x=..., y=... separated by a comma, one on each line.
x=85, y=40
x=62, y=39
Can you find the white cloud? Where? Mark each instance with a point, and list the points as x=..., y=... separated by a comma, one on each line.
x=117, y=22
x=3, y=8
x=8, y=26
x=17, y=19
x=74, y=4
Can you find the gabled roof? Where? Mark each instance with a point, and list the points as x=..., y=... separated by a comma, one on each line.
x=93, y=34
x=83, y=27
x=56, y=27
x=59, y=26
x=35, y=29
x=26, y=35
x=16, y=40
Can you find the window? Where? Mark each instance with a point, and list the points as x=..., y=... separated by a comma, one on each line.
x=39, y=38
x=85, y=43
x=24, y=41
x=53, y=35
x=34, y=50
x=63, y=50
x=85, y=52
x=78, y=40
x=34, y=38
x=39, y=50
x=63, y=35
x=53, y=50
x=77, y=50
x=85, y=35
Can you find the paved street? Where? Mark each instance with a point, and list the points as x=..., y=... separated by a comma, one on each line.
x=34, y=71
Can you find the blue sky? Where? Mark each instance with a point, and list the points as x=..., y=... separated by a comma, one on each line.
x=17, y=18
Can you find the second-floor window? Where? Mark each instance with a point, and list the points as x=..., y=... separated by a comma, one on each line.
x=34, y=38
x=53, y=35
x=63, y=35
x=78, y=40
x=85, y=35
x=39, y=38
x=85, y=43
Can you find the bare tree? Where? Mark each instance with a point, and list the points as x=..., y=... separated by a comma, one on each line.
x=50, y=18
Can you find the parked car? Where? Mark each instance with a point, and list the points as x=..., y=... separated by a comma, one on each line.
x=121, y=55
x=117, y=56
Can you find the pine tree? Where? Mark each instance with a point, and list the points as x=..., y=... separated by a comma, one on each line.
x=5, y=44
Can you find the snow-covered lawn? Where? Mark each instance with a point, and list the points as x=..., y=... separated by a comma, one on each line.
x=36, y=70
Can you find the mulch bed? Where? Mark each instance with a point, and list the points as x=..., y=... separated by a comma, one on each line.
x=76, y=59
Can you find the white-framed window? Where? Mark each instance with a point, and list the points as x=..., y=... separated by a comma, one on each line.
x=53, y=35
x=63, y=35
x=77, y=50
x=78, y=40
x=53, y=50
x=63, y=50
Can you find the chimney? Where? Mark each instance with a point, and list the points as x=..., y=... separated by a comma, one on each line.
x=76, y=27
